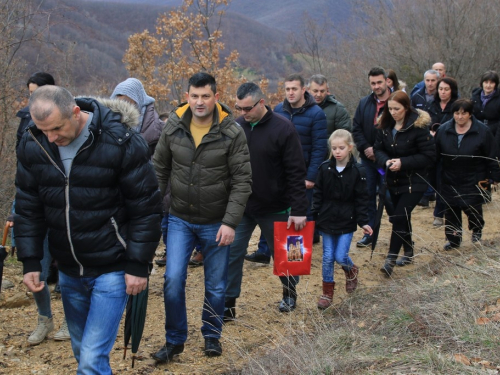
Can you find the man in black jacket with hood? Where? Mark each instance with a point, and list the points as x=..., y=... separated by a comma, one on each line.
x=278, y=194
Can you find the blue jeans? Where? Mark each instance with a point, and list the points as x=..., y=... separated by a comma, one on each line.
x=42, y=298
x=239, y=248
x=93, y=308
x=263, y=248
x=335, y=249
x=182, y=237
x=164, y=228
x=373, y=183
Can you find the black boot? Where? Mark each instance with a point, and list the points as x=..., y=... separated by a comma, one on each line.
x=407, y=258
x=388, y=266
x=289, y=301
x=229, y=310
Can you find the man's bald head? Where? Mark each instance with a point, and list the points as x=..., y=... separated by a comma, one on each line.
x=45, y=99
x=441, y=68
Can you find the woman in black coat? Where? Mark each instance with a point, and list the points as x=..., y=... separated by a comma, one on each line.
x=468, y=153
x=445, y=96
x=486, y=101
x=405, y=145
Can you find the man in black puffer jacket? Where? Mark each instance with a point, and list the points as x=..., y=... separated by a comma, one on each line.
x=86, y=178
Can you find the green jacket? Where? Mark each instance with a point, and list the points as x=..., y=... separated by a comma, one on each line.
x=210, y=183
x=337, y=116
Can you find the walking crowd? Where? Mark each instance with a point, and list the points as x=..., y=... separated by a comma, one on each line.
x=100, y=180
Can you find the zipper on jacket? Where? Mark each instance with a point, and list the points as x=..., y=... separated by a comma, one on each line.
x=118, y=235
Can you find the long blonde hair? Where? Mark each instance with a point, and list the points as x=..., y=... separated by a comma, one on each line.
x=344, y=135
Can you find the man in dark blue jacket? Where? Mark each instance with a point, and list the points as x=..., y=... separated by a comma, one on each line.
x=364, y=132
x=310, y=122
x=278, y=194
x=86, y=177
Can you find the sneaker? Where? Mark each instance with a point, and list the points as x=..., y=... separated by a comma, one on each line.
x=424, y=201
x=167, y=352
x=257, y=257
x=364, y=242
x=63, y=333
x=212, y=347
x=287, y=304
x=438, y=222
x=229, y=310
x=44, y=327
x=196, y=260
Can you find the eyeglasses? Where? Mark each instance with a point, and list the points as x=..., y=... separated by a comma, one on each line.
x=246, y=109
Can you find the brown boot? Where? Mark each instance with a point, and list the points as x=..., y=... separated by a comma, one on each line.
x=325, y=301
x=351, y=278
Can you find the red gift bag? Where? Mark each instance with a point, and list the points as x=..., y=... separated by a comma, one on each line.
x=292, y=249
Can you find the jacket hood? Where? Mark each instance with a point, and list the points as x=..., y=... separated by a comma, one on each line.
x=129, y=113
x=308, y=103
x=329, y=99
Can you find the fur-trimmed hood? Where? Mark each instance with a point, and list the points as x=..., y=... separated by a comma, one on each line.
x=421, y=119
x=129, y=113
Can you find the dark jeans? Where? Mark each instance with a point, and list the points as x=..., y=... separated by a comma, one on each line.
x=453, y=217
x=263, y=248
x=239, y=248
x=401, y=222
x=374, y=182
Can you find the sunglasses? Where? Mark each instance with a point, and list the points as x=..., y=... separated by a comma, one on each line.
x=246, y=109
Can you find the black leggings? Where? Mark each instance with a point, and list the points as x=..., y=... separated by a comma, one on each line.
x=453, y=218
x=401, y=222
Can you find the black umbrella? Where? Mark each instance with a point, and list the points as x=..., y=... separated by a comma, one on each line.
x=3, y=252
x=380, y=209
x=134, y=321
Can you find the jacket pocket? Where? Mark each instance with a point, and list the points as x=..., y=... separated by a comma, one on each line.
x=117, y=232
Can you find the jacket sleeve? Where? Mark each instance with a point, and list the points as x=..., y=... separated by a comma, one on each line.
x=357, y=130
x=426, y=156
x=162, y=160
x=342, y=118
x=139, y=187
x=319, y=144
x=317, y=200
x=381, y=155
x=492, y=153
x=238, y=161
x=361, y=198
x=295, y=169
x=29, y=220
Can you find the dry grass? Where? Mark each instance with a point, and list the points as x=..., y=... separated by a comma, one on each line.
x=416, y=325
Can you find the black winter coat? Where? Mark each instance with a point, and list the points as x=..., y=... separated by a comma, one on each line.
x=364, y=130
x=438, y=115
x=24, y=115
x=462, y=171
x=414, y=146
x=278, y=168
x=340, y=199
x=105, y=215
x=490, y=112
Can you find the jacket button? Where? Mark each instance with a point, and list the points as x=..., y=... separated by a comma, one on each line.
x=119, y=139
x=126, y=134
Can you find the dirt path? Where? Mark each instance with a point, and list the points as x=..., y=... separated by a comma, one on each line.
x=259, y=328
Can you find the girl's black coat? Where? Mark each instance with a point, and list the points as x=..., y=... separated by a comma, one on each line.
x=461, y=170
x=340, y=199
x=414, y=146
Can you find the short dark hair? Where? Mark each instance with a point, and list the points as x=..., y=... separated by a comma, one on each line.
x=202, y=79
x=453, y=86
x=58, y=96
x=41, y=79
x=318, y=79
x=386, y=119
x=377, y=71
x=464, y=104
x=249, y=89
x=296, y=77
x=490, y=75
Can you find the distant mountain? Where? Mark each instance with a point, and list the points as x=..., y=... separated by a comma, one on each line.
x=284, y=15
